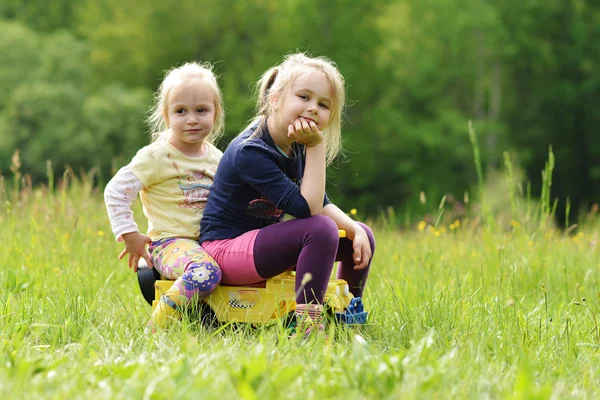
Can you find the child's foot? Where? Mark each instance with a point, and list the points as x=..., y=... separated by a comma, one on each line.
x=307, y=321
x=164, y=314
x=305, y=331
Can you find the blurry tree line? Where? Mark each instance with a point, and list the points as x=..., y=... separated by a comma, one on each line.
x=77, y=79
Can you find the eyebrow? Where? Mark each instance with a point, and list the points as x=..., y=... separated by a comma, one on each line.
x=177, y=105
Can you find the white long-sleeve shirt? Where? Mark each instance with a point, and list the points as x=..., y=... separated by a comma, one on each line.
x=119, y=195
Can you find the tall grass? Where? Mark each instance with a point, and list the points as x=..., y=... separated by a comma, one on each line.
x=460, y=310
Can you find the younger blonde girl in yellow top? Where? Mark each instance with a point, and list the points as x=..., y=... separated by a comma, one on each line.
x=173, y=176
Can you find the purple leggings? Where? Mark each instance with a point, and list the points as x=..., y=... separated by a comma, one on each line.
x=312, y=245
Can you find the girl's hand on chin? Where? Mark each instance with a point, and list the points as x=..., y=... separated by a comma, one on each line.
x=305, y=132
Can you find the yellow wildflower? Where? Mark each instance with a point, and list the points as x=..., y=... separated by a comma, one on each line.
x=100, y=233
x=421, y=225
x=353, y=211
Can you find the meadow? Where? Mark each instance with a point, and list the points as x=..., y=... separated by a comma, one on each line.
x=477, y=307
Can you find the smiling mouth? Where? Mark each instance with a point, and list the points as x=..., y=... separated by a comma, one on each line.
x=192, y=130
x=309, y=119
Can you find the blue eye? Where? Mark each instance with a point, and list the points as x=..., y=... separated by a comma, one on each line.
x=325, y=106
x=180, y=111
x=303, y=97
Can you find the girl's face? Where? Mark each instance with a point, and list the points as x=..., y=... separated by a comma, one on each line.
x=309, y=97
x=191, y=117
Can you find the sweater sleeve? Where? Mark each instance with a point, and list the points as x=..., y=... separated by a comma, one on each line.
x=326, y=200
x=119, y=194
x=259, y=169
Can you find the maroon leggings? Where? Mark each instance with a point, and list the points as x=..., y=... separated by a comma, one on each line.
x=312, y=245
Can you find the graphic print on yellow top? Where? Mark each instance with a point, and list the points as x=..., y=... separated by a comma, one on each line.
x=176, y=188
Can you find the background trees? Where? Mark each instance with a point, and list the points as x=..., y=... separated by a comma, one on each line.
x=77, y=79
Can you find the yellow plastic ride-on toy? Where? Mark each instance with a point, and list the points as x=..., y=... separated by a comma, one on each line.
x=258, y=303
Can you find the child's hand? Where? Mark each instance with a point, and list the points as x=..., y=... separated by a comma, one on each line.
x=305, y=132
x=362, y=249
x=135, y=246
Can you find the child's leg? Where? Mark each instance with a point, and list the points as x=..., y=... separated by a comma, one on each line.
x=356, y=279
x=308, y=243
x=196, y=274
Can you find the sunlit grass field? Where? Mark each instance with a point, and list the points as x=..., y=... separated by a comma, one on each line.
x=463, y=309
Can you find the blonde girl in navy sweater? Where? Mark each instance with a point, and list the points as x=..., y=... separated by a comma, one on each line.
x=276, y=166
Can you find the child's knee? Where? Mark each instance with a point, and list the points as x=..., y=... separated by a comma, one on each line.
x=202, y=279
x=325, y=228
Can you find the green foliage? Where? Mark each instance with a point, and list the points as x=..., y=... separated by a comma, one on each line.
x=50, y=114
x=417, y=71
x=553, y=90
x=114, y=122
x=51, y=108
x=133, y=44
x=41, y=111
x=21, y=58
x=455, y=311
x=40, y=15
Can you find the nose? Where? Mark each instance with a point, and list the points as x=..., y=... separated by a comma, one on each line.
x=312, y=108
x=192, y=120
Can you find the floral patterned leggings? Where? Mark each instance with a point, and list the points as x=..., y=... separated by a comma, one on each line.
x=195, y=272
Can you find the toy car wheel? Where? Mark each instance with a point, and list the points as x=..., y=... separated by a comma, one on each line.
x=146, y=278
x=202, y=313
x=205, y=315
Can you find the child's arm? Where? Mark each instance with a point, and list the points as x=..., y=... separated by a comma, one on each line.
x=313, y=180
x=119, y=194
x=354, y=232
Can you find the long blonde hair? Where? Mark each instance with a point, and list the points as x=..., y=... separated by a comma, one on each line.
x=187, y=74
x=281, y=77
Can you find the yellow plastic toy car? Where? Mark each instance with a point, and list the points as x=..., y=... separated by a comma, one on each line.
x=258, y=303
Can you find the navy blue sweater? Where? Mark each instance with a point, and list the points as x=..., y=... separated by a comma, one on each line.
x=255, y=186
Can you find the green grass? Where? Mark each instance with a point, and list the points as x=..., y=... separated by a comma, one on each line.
x=454, y=313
